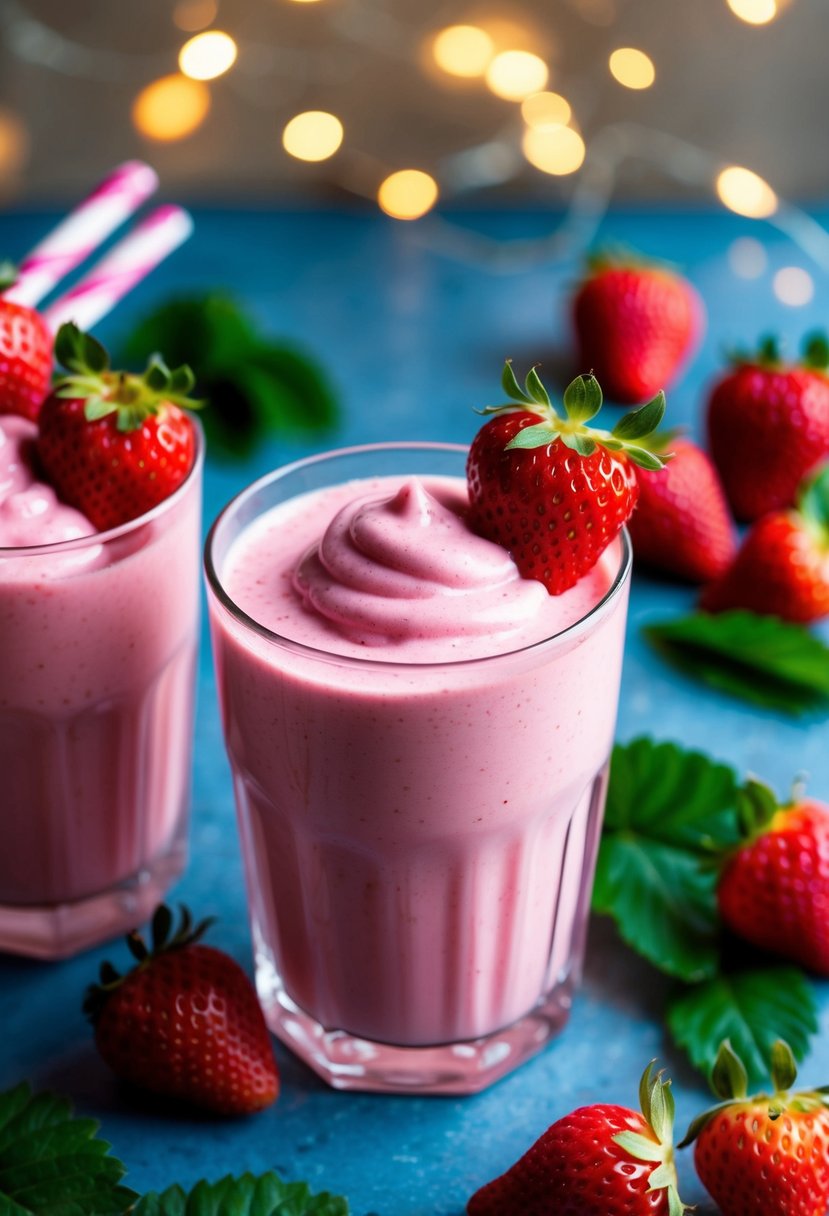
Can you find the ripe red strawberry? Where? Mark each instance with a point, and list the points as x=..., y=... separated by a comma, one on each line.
x=551, y=489
x=597, y=1161
x=773, y=890
x=782, y=566
x=25, y=354
x=114, y=444
x=766, y=1155
x=636, y=324
x=682, y=525
x=185, y=1022
x=768, y=426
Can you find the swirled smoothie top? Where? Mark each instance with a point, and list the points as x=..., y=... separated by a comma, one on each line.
x=390, y=569
x=30, y=510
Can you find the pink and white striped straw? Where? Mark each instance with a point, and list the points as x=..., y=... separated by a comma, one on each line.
x=85, y=228
x=126, y=264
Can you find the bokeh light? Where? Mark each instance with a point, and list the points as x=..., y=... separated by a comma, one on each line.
x=313, y=135
x=192, y=15
x=793, y=286
x=746, y=192
x=171, y=108
x=755, y=12
x=514, y=75
x=14, y=144
x=747, y=257
x=542, y=110
x=557, y=150
x=632, y=68
x=463, y=50
x=407, y=194
x=208, y=55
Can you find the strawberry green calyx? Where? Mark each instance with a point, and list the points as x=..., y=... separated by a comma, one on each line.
x=8, y=275
x=582, y=400
x=729, y=1081
x=813, y=505
x=658, y=1110
x=133, y=398
x=165, y=937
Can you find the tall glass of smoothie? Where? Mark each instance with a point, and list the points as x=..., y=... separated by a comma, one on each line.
x=419, y=740
x=98, y=635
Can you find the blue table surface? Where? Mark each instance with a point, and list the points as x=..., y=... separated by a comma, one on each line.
x=412, y=339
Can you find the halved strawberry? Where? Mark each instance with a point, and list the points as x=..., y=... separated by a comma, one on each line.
x=25, y=354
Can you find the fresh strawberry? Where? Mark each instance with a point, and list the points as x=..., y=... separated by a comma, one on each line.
x=766, y=1155
x=773, y=889
x=682, y=525
x=114, y=444
x=551, y=489
x=185, y=1022
x=596, y=1161
x=782, y=566
x=636, y=324
x=768, y=425
x=25, y=354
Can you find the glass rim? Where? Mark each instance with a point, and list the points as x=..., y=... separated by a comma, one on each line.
x=9, y=552
x=574, y=630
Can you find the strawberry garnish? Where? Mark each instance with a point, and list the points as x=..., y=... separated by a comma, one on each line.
x=548, y=487
x=768, y=425
x=773, y=889
x=114, y=444
x=636, y=323
x=25, y=354
x=782, y=566
x=597, y=1161
x=764, y=1155
x=185, y=1022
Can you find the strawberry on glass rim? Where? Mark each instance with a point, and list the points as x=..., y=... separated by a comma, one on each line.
x=115, y=444
x=25, y=353
x=552, y=490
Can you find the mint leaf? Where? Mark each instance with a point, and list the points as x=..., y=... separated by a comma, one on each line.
x=52, y=1162
x=666, y=810
x=751, y=1008
x=759, y=659
x=267, y=1195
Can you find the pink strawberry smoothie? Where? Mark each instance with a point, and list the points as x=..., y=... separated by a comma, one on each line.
x=97, y=647
x=418, y=738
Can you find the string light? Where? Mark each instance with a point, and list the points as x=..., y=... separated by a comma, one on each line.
x=207, y=55
x=171, y=108
x=514, y=75
x=746, y=192
x=793, y=286
x=558, y=150
x=463, y=50
x=542, y=110
x=754, y=12
x=632, y=68
x=192, y=15
x=747, y=257
x=407, y=194
x=313, y=135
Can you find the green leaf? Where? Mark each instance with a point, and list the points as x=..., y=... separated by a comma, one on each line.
x=644, y=458
x=752, y=1009
x=760, y=659
x=8, y=274
x=267, y=1195
x=783, y=1066
x=52, y=1162
x=816, y=351
x=729, y=1078
x=511, y=386
x=642, y=422
x=535, y=388
x=813, y=502
x=96, y=407
x=581, y=443
x=583, y=398
x=533, y=437
x=666, y=810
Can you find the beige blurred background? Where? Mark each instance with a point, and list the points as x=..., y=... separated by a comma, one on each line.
x=72, y=73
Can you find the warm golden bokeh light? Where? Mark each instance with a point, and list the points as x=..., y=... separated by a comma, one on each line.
x=514, y=75
x=755, y=12
x=192, y=15
x=14, y=144
x=558, y=150
x=208, y=55
x=793, y=286
x=632, y=68
x=542, y=110
x=171, y=108
x=463, y=50
x=313, y=135
x=746, y=192
x=407, y=194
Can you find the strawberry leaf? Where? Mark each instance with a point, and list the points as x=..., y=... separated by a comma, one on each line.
x=816, y=351
x=644, y=458
x=666, y=809
x=583, y=398
x=752, y=1009
x=511, y=386
x=642, y=422
x=267, y=1195
x=535, y=388
x=760, y=659
x=51, y=1161
x=533, y=437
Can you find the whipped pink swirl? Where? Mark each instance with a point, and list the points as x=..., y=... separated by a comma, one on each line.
x=408, y=566
x=30, y=511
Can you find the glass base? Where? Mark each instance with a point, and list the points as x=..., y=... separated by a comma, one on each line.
x=346, y=1062
x=58, y=931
